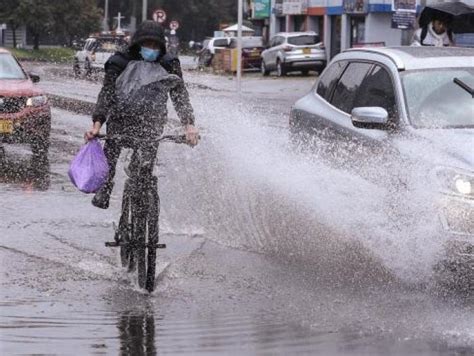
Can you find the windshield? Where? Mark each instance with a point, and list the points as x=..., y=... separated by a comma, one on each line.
x=305, y=40
x=434, y=100
x=9, y=67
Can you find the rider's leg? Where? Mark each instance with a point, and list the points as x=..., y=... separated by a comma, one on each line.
x=102, y=197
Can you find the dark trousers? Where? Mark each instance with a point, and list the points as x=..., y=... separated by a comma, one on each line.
x=142, y=160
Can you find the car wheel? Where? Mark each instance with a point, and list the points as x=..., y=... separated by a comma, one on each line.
x=281, y=71
x=76, y=68
x=40, y=148
x=264, y=70
x=87, y=69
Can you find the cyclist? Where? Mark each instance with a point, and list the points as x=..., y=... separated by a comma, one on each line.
x=133, y=99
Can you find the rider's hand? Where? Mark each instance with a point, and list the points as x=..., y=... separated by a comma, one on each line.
x=94, y=132
x=192, y=135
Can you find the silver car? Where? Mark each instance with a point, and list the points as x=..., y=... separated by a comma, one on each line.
x=404, y=119
x=294, y=51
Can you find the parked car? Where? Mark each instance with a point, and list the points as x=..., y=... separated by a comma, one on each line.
x=25, y=115
x=209, y=47
x=96, y=51
x=252, y=48
x=294, y=51
x=410, y=107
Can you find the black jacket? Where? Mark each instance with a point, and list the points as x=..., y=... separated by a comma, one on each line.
x=106, y=103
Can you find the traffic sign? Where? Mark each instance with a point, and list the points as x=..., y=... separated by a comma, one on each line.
x=174, y=25
x=159, y=16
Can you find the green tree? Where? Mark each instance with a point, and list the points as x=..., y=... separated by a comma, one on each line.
x=9, y=15
x=37, y=16
x=76, y=18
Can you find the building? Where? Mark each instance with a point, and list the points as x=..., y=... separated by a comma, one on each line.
x=350, y=23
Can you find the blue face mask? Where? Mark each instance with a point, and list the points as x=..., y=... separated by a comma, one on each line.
x=149, y=54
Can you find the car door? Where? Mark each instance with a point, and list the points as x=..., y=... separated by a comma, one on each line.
x=266, y=55
x=273, y=52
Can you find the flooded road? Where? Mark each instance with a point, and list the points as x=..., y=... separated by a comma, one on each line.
x=268, y=252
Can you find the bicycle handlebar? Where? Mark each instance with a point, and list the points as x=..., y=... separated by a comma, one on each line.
x=165, y=138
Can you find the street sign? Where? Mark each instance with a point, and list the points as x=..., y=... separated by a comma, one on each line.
x=174, y=25
x=159, y=16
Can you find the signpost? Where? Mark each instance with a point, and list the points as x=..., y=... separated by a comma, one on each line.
x=404, y=15
x=159, y=16
x=261, y=9
x=239, y=48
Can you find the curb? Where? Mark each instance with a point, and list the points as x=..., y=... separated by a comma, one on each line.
x=70, y=104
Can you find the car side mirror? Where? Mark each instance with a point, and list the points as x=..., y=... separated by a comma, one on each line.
x=369, y=117
x=35, y=78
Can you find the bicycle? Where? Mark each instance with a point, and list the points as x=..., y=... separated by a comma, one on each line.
x=137, y=234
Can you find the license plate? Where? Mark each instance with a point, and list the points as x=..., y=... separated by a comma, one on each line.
x=6, y=126
x=306, y=50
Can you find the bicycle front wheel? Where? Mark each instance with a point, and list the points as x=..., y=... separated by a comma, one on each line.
x=153, y=235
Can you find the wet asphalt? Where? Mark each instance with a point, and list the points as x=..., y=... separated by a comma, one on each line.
x=248, y=269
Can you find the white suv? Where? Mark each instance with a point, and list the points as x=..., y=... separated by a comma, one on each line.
x=96, y=51
x=294, y=51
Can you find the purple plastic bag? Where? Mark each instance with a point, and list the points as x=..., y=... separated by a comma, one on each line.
x=89, y=169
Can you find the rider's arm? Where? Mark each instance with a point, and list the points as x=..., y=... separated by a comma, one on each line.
x=179, y=94
x=106, y=97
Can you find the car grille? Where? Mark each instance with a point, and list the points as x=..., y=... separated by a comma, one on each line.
x=12, y=105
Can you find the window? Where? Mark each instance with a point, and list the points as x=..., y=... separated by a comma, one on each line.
x=329, y=78
x=223, y=42
x=306, y=40
x=278, y=41
x=89, y=44
x=377, y=90
x=346, y=89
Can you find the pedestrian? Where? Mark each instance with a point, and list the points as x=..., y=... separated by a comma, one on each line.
x=436, y=33
x=133, y=99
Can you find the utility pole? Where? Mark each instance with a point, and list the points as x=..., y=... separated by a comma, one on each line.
x=239, y=48
x=106, y=16
x=145, y=10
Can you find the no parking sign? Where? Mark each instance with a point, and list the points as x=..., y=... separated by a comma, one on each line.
x=159, y=16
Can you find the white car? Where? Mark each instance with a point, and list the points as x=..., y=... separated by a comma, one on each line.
x=294, y=51
x=96, y=51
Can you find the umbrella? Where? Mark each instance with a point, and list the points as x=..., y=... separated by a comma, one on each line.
x=235, y=28
x=458, y=15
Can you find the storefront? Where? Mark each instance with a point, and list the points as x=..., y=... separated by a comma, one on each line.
x=342, y=23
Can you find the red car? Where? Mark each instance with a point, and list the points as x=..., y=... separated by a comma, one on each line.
x=25, y=115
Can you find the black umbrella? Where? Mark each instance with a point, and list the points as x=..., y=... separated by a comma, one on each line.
x=458, y=15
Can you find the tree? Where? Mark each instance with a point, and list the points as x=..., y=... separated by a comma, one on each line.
x=9, y=15
x=76, y=18
x=37, y=16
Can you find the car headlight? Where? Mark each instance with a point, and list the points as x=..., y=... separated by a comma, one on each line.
x=36, y=101
x=454, y=181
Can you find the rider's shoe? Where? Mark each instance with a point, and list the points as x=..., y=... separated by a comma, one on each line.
x=102, y=197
